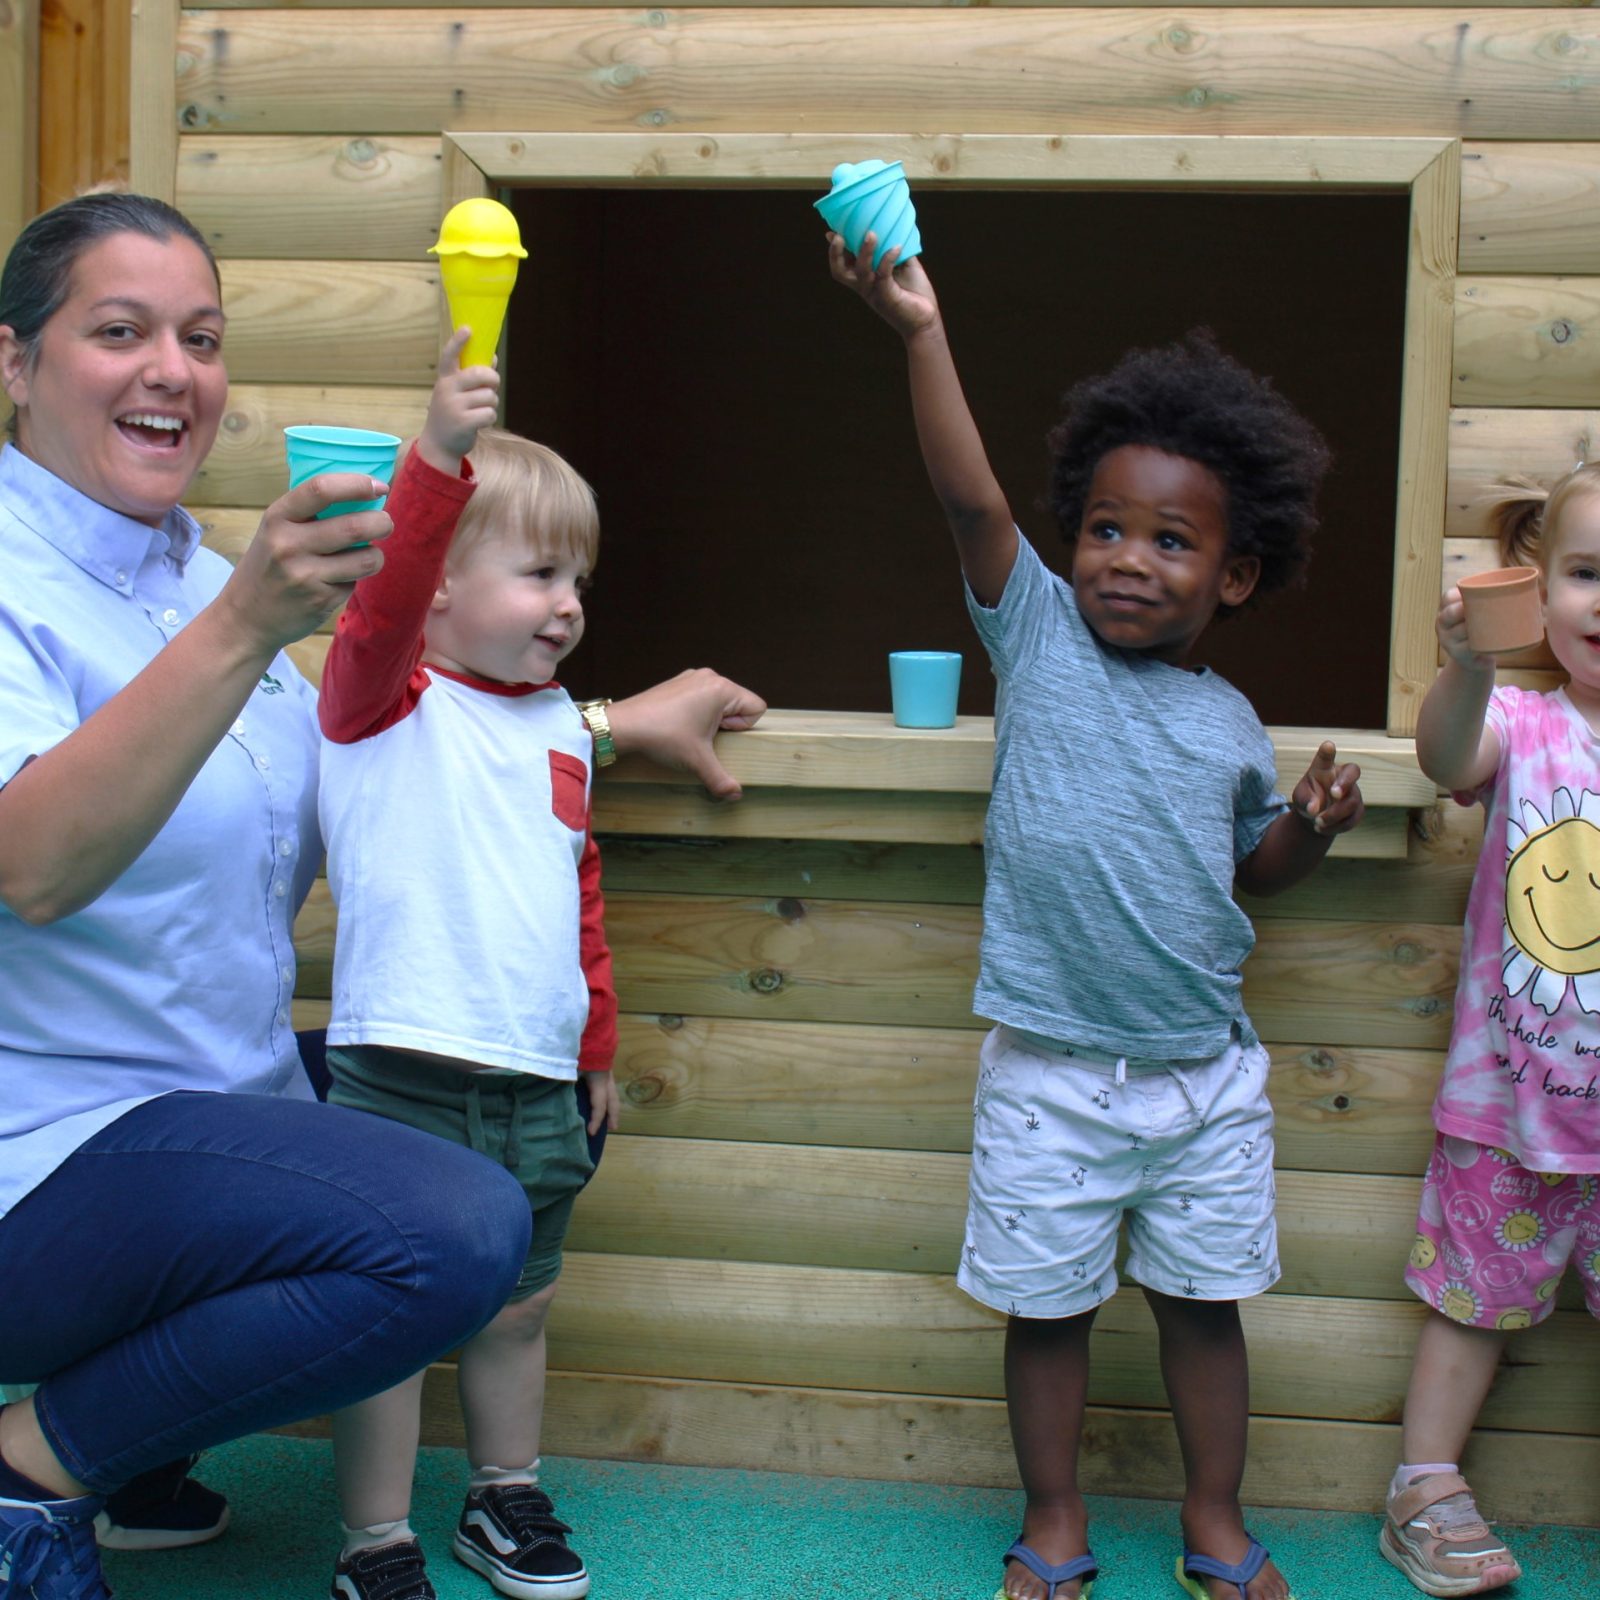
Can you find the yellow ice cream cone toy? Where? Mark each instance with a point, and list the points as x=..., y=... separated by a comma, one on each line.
x=478, y=248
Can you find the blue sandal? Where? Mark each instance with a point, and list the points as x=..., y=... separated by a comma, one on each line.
x=1078, y=1567
x=1255, y=1558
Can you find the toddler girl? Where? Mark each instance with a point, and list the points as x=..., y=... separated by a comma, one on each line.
x=1510, y=1196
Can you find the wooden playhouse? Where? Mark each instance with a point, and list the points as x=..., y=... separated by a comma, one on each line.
x=761, y=1274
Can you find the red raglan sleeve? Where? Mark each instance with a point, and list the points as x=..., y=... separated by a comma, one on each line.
x=371, y=678
x=599, y=1044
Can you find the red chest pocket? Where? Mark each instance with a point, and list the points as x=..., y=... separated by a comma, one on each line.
x=568, y=780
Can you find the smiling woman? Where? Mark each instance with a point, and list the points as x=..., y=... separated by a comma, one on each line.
x=195, y=1265
x=123, y=391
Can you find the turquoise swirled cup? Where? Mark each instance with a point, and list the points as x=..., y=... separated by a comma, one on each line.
x=872, y=197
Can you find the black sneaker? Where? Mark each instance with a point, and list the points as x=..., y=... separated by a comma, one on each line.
x=162, y=1509
x=389, y=1572
x=512, y=1535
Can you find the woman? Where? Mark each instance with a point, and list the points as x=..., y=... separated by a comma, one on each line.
x=195, y=1265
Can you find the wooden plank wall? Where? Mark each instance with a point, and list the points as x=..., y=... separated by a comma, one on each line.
x=760, y=1275
x=19, y=141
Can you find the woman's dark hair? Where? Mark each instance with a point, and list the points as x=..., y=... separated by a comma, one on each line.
x=1190, y=399
x=38, y=272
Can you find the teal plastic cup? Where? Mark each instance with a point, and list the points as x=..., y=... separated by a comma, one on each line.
x=923, y=685
x=314, y=450
x=872, y=197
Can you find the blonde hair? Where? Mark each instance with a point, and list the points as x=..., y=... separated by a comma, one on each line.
x=527, y=493
x=1525, y=512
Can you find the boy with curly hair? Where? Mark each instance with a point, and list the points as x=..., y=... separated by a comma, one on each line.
x=1131, y=794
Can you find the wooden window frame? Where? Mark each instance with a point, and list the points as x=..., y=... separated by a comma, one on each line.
x=1428, y=170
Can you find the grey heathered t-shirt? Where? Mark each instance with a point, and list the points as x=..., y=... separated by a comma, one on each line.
x=1125, y=791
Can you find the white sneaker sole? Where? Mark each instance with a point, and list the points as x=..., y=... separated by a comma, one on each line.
x=110, y=1536
x=518, y=1584
x=1430, y=1582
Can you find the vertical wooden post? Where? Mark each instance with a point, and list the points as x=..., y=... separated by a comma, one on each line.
x=19, y=116
x=153, y=119
x=83, y=96
x=19, y=126
x=1424, y=435
x=461, y=178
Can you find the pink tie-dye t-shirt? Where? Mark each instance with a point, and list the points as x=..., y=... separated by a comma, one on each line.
x=1523, y=1070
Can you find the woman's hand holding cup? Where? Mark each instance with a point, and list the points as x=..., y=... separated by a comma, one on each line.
x=297, y=571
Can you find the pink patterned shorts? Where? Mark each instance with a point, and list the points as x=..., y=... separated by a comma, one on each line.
x=1494, y=1239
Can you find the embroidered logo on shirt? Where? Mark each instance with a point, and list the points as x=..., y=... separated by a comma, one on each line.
x=269, y=684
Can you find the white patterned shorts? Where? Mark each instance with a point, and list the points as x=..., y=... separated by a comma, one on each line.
x=1066, y=1146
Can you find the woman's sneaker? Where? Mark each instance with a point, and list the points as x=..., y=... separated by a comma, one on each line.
x=511, y=1534
x=47, y=1550
x=388, y=1572
x=1435, y=1534
x=163, y=1509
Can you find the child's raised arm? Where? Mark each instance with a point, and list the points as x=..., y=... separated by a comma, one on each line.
x=952, y=451
x=463, y=400
x=367, y=677
x=1454, y=747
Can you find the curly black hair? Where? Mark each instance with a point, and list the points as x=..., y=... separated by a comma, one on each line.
x=1190, y=399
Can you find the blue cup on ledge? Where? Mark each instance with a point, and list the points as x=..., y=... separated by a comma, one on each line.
x=923, y=686
x=313, y=450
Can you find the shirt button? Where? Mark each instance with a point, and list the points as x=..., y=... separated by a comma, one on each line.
x=238, y=729
x=263, y=763
x=285, y=848
x=170, y=617
x=122, y=580
x=283, y=1019
x=287, y=974
x=279, y=891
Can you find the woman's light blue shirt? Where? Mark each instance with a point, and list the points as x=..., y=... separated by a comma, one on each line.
x=180, y=975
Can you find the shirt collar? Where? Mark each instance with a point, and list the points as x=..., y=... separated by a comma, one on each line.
x=101, y=541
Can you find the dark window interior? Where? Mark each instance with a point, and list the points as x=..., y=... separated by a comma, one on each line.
x=746, y=425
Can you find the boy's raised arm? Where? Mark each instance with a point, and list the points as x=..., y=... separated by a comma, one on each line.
x=952, y=451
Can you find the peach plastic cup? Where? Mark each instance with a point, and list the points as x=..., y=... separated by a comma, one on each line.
x=1503, y=609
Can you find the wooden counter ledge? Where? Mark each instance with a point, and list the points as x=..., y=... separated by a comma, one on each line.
x=864, y=750
x=853, y=775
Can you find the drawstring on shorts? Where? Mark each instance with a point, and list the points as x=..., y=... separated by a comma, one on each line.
x=510, y=1153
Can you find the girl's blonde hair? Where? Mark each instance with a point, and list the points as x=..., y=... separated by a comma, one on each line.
x=1524, y=511
x=526, y=492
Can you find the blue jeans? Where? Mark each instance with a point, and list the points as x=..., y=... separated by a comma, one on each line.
x=213, y=1264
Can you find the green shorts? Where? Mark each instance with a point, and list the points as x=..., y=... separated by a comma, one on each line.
x=530, y=1125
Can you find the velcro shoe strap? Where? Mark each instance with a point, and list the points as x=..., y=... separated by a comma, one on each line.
x=1417, y=1497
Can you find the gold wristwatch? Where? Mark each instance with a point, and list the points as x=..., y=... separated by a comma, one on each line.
x=598, y=723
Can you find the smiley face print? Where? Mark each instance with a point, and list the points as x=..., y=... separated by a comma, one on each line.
x=1553, y=902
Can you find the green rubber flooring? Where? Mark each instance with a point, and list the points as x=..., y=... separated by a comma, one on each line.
x=696, y=1533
